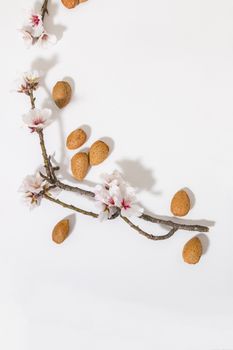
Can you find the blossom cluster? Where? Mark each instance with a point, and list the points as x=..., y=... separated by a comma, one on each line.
x=33, y=31
x=115, y=195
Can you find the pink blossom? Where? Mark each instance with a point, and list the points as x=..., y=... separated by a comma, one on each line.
x=37, y=119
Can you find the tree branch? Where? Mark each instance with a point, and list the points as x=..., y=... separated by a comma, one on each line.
x=69, y=206
x=81, y=191
x=170, y=223
x=44, y=9
x=44, y=153
x=32, y=99
x=148, y=235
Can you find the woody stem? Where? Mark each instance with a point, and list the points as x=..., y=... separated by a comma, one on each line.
x=44, y=9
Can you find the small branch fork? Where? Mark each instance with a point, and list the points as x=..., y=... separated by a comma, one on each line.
x=44, y=9
x=54, y=182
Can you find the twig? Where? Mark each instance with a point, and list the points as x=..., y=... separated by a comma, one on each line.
x=81, y=191
x=69, y=206
x=32, y=99
x=170, y=223
x=148, y=235
x=44, y=153
x=44, y=9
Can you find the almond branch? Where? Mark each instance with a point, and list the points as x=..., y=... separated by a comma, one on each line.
x=52, y=179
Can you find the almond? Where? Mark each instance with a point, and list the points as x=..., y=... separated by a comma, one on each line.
x=61, y=231
x=76, y=139
x=62, y=93
x=180, y=204
x=192, y=251
x=71, y=3
x=79, y=165
x=98, y=152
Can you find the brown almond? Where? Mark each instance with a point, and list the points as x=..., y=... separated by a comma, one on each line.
x=76, y=139
x=61, y=231
x=192, y=251
x=98, y=152
x=62, y=93
x=180, y=204
x=71, y=3
x=79, y=165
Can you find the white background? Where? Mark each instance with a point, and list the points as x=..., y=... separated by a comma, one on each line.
x=156, y=78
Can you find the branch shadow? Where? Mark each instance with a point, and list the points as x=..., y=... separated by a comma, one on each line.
x=43, y=66
x=138, y=175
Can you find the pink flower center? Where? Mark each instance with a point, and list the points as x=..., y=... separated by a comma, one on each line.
x=38, y=121
x=125, y=204
x=111, y=201
x=35, y=20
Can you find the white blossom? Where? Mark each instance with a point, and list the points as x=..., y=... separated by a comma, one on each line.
x=32, y=183
x=37, y=119
x=116, y=194
x=33, y=31
x=106, y=212
x=46, y=40
x=31, y=188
